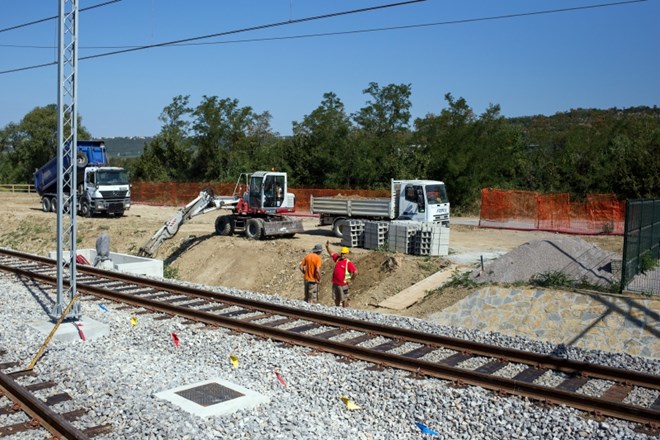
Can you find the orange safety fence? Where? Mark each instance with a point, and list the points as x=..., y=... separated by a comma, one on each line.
x=528, y=210
x=181, y=193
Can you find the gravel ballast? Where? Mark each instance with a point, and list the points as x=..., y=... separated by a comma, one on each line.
x=116, y=378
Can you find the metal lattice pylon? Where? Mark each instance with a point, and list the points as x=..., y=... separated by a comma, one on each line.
x=67, y=128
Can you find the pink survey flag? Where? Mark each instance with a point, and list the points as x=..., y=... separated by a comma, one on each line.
x=280, y=378
x=80, y=331
x=175, y=339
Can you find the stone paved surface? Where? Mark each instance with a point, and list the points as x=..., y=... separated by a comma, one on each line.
x=615, y=323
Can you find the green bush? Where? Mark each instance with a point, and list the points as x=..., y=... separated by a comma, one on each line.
x=551, y=279
x=647, y=262
x=170, y=272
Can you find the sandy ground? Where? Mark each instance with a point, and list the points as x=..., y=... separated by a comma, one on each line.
x=196, y=254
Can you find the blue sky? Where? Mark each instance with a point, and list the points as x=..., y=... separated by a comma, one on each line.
x=536, y=64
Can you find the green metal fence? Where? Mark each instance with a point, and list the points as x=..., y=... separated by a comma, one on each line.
x=640, y=271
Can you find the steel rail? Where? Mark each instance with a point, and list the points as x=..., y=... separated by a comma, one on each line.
x=39, y=411
x=568, y=366
x=495, y=383
x=499, y=384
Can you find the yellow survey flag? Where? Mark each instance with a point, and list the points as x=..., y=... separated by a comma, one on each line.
x=349, y=403
x=234, y=360
x=133, y=321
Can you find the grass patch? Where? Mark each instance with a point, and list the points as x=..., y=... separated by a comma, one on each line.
x=461, y=279
x=553, y=279
x=647, y=262
x=170, y=272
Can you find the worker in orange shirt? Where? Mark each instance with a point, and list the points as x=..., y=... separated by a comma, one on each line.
x=310, y=266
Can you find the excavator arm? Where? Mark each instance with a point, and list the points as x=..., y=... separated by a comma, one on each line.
x=205, y=202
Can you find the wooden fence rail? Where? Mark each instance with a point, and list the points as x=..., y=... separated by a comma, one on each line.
x=16, y=187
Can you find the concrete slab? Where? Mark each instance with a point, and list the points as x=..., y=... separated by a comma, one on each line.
x=214, y=397
x=123, y=262
x=416, y=292
x=71, y=331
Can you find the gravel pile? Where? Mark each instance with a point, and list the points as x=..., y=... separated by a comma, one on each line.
x=117, y=377
x=580, y=261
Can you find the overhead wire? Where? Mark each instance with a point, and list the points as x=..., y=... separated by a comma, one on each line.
x=43, y=20
x=220, y=34
x=185, y=42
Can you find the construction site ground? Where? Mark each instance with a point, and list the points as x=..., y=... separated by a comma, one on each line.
x=198, y=255
x=392, y=283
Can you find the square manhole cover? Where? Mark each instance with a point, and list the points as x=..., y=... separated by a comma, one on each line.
x=209, y=394
x=213, y=397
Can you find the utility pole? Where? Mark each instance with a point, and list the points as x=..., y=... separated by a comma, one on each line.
x=67, y=134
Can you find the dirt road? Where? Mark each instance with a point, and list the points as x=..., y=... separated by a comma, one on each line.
x=198, y=255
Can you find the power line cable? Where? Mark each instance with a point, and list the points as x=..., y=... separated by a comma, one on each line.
x=412, y=26
x=219, y=34
x=360, y=31
x=43, y=20
x=325, y=34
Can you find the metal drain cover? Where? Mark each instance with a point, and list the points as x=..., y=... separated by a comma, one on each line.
x=214, y=397
x=209, y=394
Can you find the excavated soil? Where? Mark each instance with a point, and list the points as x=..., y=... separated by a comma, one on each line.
x=198, y=255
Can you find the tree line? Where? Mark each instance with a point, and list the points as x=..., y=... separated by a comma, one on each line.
x=579, y=151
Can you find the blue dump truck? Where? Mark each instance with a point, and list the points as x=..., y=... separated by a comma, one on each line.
x=100, y=188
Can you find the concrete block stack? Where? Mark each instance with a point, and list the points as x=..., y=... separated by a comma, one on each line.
x=375, y=234
x=401, y=236
x=352, y=233
x=432, y=239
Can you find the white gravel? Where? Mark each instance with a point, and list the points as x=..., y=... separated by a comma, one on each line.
x=116, y=377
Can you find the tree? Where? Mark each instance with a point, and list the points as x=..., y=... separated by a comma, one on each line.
x=386, y=138
x=320, y=147
x=167, y=156
x=227, y=137
x=31, y=143
x=469, y=152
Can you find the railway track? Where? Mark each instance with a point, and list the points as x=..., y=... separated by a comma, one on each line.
x=596, y=389
x=38, y=414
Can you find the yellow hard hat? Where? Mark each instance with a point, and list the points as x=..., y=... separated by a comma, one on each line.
x=344, y=250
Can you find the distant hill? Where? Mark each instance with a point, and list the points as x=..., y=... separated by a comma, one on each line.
x=126, y=146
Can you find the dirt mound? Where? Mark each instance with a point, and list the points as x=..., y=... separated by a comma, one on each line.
x=579, y=261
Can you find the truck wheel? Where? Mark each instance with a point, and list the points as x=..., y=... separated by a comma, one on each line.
x=85, y=209
x=53, y=204
x=253, y=229
x=45, y=204
x=338, y=227
x=224, y=225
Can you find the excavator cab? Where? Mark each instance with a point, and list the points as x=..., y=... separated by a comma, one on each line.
x=266, y=192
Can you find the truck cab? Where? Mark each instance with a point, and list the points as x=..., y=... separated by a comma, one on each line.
x=421, y=200
x=99, y=188
x=105, y=190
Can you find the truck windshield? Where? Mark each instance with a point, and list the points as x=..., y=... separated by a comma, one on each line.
x=436, y=194
x=112, y=177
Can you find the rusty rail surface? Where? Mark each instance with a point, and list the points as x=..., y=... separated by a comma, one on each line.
x=39, y=411
x=114, y=286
